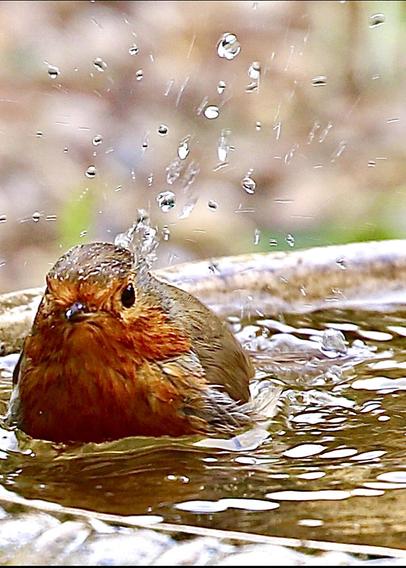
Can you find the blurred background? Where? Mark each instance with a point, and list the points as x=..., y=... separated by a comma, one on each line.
x=240, y=126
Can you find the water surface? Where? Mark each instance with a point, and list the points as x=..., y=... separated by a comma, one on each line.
x=330, y=466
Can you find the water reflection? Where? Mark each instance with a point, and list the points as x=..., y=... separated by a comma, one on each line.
x=330, y=465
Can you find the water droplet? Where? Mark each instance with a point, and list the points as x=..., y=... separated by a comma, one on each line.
x=273, y=242
x=150, y=179
x=91, y=172
x=319, y=81
x=184, y=148
x=3, y=218
x=166, y=201
x=66, y=150
x=145, y=142
x=341, y=262
x=173, y=171
x=290, y=239
x=166, y=233
x=53, y=71
x=36, y=216
x=39, y=134
x=228, y=46
x=221, y=86
x=254, y=71
x=223, y=145
x=212, y=205
x=257, y=236
x=376, y=20
x=211, y=112
x=139, y=74
x=258, y=126
x=371, y=163
x=97, y=140
x=333, y=340
x=248, y=184
x=133, y=49
x=100, y=64
x=162, y=130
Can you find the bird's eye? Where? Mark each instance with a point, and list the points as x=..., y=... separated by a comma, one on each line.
x=128, y=296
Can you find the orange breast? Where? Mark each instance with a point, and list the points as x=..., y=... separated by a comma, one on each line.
x=83, y=384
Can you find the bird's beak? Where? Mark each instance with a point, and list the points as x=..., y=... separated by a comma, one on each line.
x=77, y=312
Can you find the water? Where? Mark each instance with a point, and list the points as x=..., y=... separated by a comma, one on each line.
x=100, y=64
x=133, y=49
x=53, y=71
x=331, y=465
x=91, y=172
x=228, y=46
x=166, y=201
x=211, y=112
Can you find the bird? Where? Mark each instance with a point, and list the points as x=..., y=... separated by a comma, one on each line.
x=115, y=351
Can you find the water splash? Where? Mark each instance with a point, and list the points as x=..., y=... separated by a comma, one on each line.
x=141, y=239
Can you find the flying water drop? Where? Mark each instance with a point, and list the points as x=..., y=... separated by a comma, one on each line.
x=184, y=148
x=319, y=81
x=162, y=130
x=290, y=239
x=376, y=20
x=166, y=201
x=139, y=75
x=53, y=71
x=212, y=205
x=166, y=233
x=133, y=49
x=248, y=184
x=91, y=172
x=228, y=46
x=211, y=112
x=100, y=64
x=221, y=87
x=97, y=140
x=223, y=145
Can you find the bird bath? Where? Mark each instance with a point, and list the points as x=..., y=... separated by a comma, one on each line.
x=326, y=329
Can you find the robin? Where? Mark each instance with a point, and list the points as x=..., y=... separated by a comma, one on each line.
x=115, y=352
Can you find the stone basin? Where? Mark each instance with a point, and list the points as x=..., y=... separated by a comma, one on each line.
x=369, y=275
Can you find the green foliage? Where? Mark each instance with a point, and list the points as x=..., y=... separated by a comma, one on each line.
x=76, y=217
